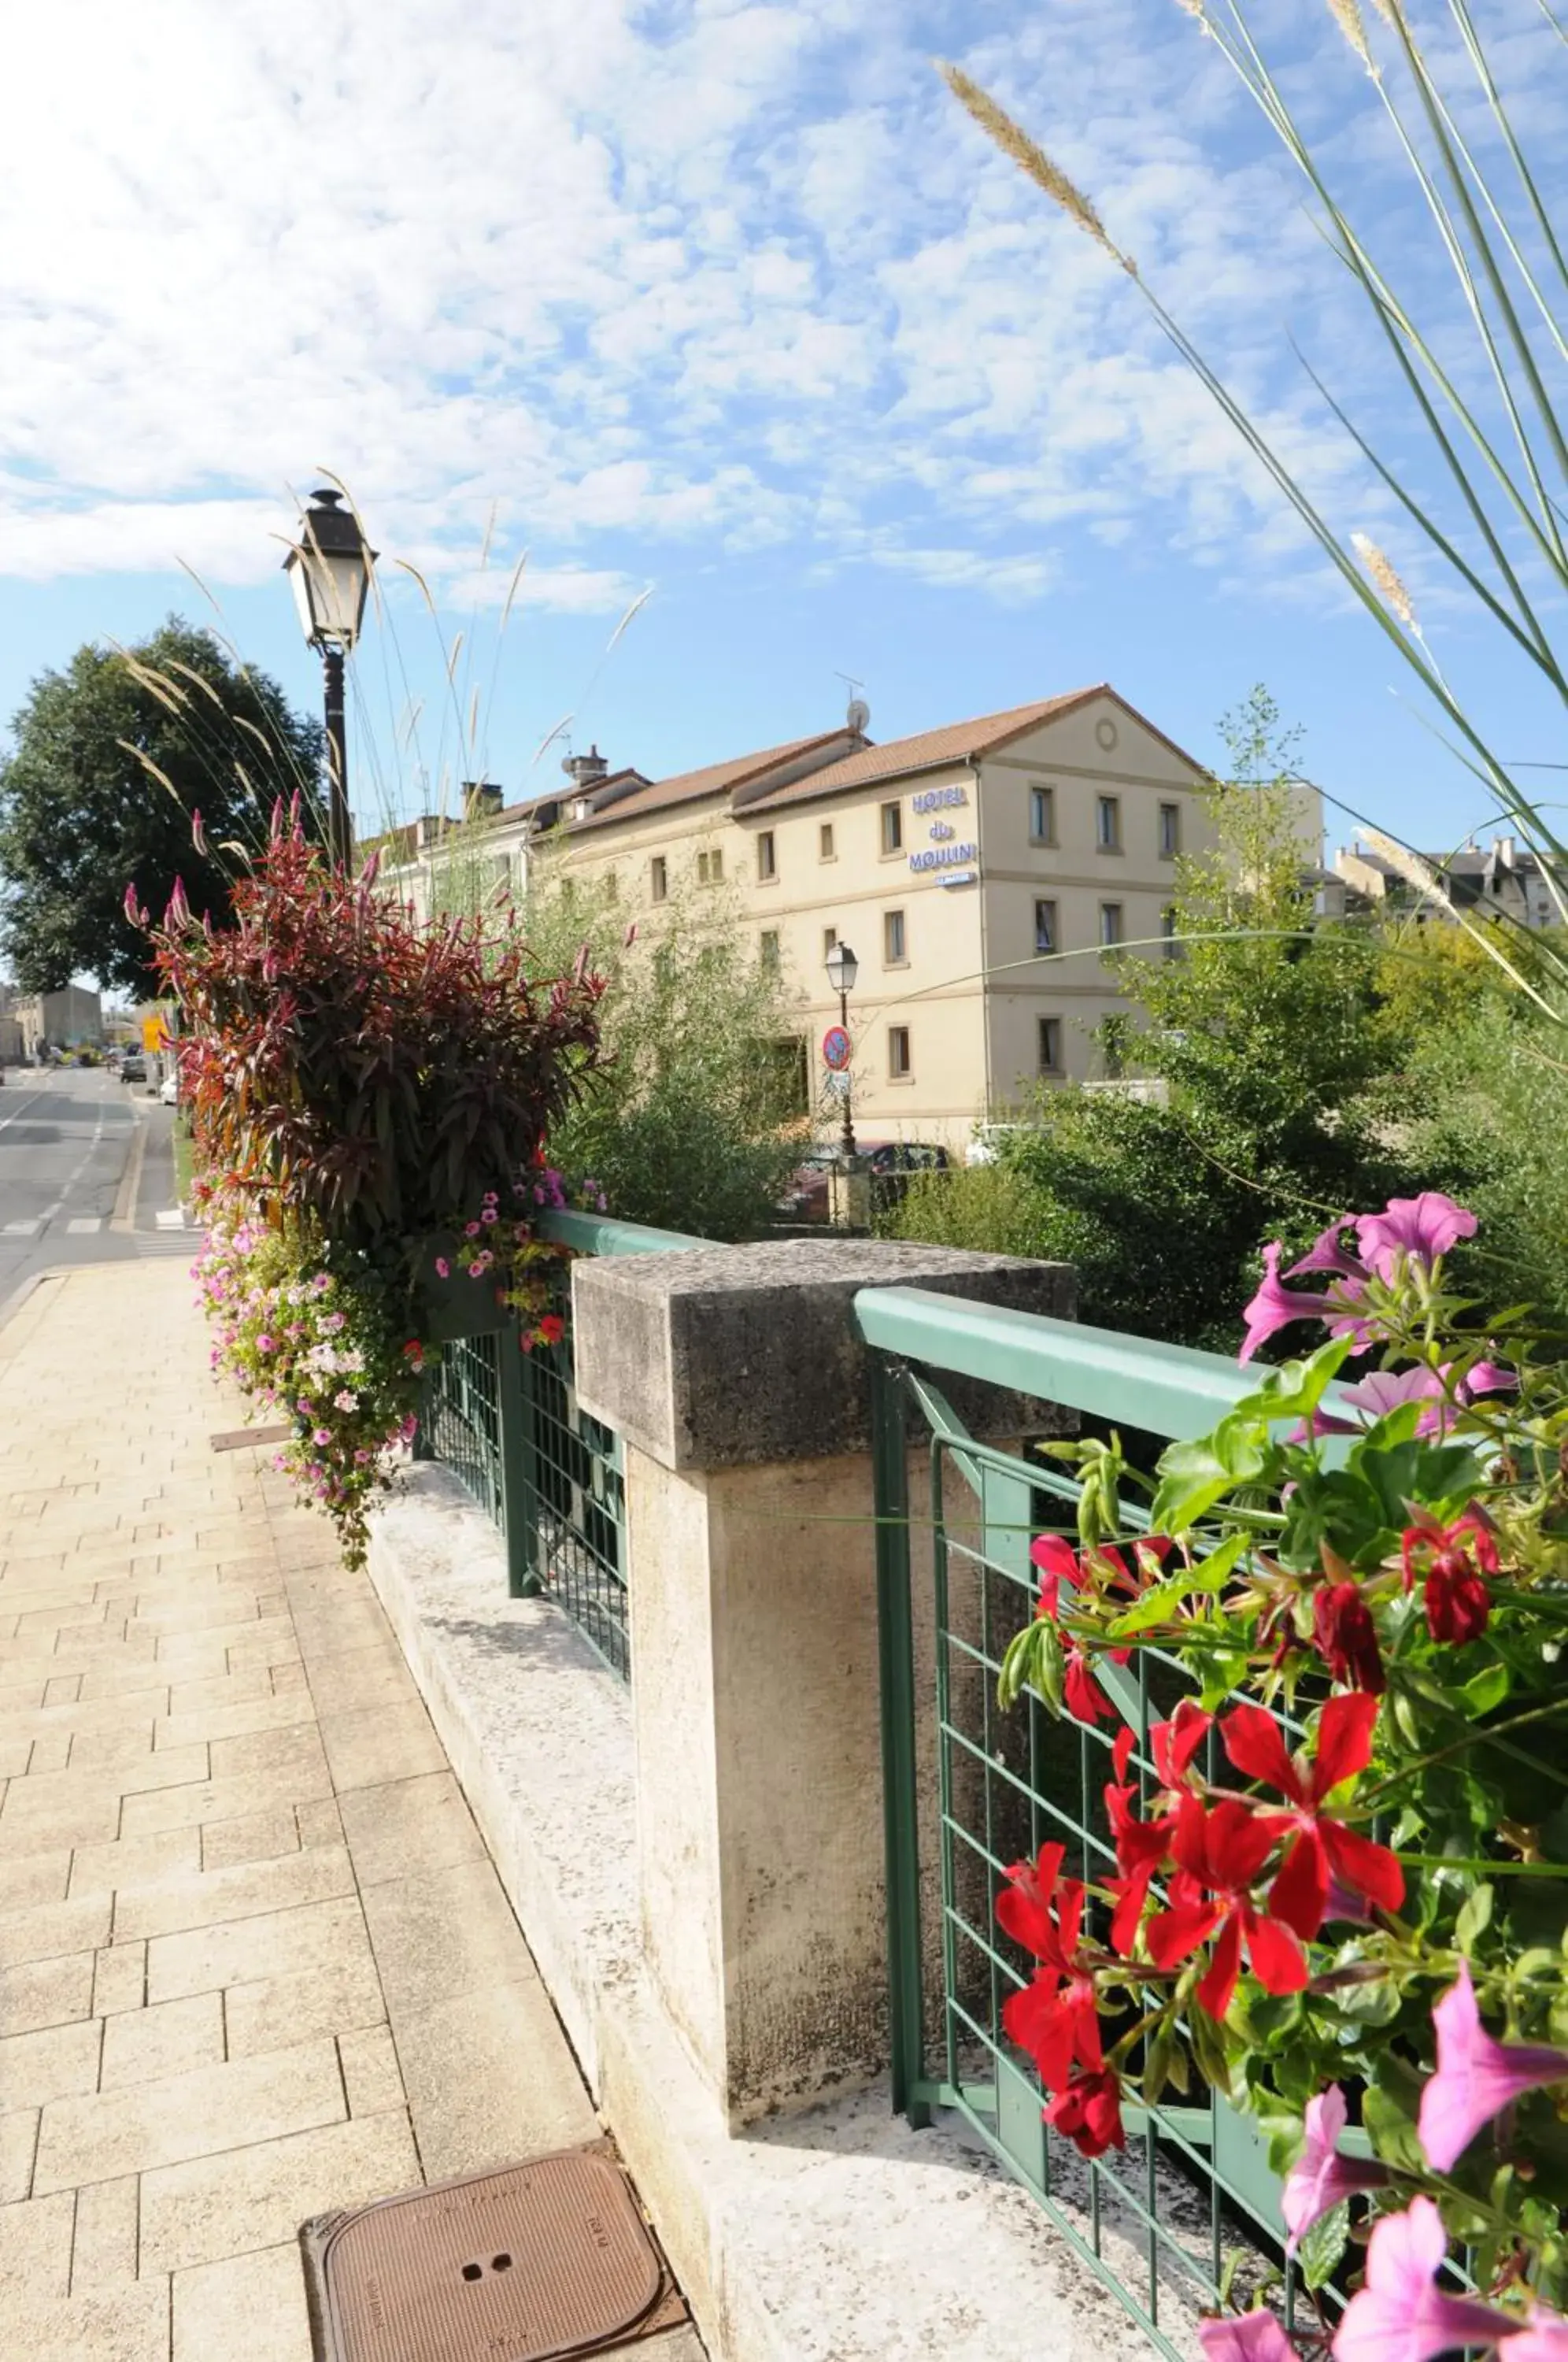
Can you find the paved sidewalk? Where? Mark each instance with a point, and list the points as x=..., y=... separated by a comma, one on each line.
x=254, y=1959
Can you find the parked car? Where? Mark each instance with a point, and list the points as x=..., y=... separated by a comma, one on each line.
x=133, y=1069
x=889, y=1163
x=169, y=1089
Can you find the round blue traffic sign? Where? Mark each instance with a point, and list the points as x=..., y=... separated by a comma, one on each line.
x=835, y=1049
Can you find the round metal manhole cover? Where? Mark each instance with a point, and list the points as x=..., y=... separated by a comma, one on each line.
x=538, y=2262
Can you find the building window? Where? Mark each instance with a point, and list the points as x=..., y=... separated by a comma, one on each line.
x=893, y=953
x=830, y=941
x=1170, y=831
x=1042, y=815
x=659, y=876
x=1172, y=949
x=898, y=1066
x=709, y=868
x=825, y=841
x=1110, y=922
x=766, y=860
x=1044, y=926
x=1050, y=1045
x=769, y=949
x=892, y=828
x=1107, y=824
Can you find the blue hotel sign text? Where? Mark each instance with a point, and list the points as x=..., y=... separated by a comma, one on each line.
x=945, y=853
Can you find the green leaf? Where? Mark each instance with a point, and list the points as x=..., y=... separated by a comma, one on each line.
x=1389, y=2109
x=1295, y=1388
x=1475, y=1918
x=1485, y=1690
x=1194, y=1476
x=1322, y=2248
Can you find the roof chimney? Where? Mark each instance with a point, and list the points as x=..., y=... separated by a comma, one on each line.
x=482, y=799
x=587, y=770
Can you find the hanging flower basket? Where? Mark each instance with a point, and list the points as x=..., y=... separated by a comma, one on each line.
x=452, y=1304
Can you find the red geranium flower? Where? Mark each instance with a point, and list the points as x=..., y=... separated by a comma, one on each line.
x=1323, y=1847
x=1219, y=1856
x=1055, y=2018
x=552, y=1328
x=1090, y=2113
x=1453, y=1558
x=1058, y=1563
x=1347, y=1637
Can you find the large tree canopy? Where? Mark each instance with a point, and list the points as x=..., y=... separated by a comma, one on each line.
x=111, y=760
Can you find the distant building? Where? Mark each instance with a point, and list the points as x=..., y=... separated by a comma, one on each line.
x=55, y=1020
x=1505, y=878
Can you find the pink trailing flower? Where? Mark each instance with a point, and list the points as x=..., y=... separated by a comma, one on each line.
x=443, y=1268
x=1418, y=1228
x=1320, y=2176
x=470, y=1230
x=1544, y=2340
x=265, y=1344
x=1275, y=1306
x=1476, y=2077
x=1487, y=1378
x=1400, y=2314
x=1381, y=1391
x=1255, y=2337
x=322, y=1437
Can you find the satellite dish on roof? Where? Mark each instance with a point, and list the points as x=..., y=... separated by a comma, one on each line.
x=859, y=716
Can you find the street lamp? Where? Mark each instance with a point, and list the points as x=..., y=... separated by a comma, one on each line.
x=842, y=967
x=330, y=570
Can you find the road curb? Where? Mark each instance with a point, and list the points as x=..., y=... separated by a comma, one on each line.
x=19, y=1296
x=123, y=1219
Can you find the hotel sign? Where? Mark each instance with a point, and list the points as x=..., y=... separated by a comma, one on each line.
x=954, y=859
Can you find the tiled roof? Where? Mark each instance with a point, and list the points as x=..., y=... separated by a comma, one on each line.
x=713, y=779
x=956, y=742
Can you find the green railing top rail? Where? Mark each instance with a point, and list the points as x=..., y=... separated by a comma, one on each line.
x=600, y=1234
x=1166, y=1389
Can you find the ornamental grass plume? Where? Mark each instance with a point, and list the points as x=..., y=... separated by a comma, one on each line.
x=1347, y=17
x=1015, y=141
x=1381, y=571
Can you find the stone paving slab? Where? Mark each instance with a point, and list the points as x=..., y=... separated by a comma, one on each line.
x=255, y=1963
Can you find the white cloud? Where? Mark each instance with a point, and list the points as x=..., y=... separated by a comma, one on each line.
x=704, y=277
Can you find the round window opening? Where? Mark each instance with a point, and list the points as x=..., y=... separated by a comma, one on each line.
x=1105, y=732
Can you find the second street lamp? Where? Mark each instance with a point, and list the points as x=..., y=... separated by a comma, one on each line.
x=329, y=571
x=842, y=967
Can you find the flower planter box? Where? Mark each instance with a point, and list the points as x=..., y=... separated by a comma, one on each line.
x=456, y=1306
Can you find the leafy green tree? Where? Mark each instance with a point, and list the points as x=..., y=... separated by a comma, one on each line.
x=111, y=760
x=695, y=1119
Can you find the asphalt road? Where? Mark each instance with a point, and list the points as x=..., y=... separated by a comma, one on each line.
x=86, y=1167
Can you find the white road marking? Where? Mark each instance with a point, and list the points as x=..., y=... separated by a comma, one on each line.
x=172, y=1218
x=23, y=1230
x=84, y=1226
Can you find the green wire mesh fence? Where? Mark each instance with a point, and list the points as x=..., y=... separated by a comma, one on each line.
x=462, y=1419
x=971, y=1789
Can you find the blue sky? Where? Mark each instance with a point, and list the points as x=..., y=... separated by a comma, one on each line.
x=731, y=301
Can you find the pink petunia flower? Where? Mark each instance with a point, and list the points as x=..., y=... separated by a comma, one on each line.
x=470, y=1230
x=489, y=1214
x=1320, y=2176
x=322, y=1437
x=1476, y=2077
x=1400, y=2314
x=1420, y=1229
x=1255, y=2337
x=344, y=1401
x=1382, y=1391
x=265, y=1344
x=1275, y=1306
x=1544, y=2340
x=443, y=1268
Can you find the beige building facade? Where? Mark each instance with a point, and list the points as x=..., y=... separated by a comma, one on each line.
x=979, y=872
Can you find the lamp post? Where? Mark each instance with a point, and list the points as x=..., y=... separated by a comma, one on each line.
x=329, y=571
x=842, y=967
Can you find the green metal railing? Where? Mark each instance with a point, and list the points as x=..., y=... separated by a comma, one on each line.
x=968, y=1789
x=461, y=1426
x=509, y=1425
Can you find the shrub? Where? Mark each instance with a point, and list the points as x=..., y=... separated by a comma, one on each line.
x=695, y=1122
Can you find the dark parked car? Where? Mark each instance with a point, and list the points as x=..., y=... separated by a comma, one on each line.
x=134, y=1068
x=889, y=1162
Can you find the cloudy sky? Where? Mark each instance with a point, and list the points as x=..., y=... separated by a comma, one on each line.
x=725, y=298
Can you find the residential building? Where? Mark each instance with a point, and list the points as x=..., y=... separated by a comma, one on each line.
x=1505, y=878
x=985, y=874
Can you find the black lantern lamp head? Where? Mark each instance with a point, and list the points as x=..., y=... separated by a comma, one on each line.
x=329, y=572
